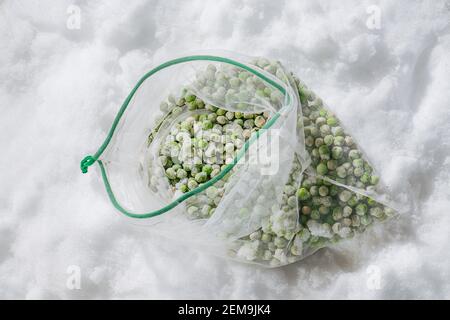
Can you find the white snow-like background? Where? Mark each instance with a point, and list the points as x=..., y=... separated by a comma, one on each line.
x=60, y=88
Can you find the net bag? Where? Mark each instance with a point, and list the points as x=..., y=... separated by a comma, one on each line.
x=235, y=155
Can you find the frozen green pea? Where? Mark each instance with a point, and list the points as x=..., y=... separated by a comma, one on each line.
x=338, y=131
x=349, y=141
x=356, y=220
x=206, y=209
x=214, y=172
x=324, y=150
x=212, y=117
x=249, y=123
x=202, y=143
x=328, y=140
x=306, y=210
x=260, y=121
x=354, y=154
x=309, y=141
x=346, y=222
x=184, y=188
x=314, y=190
x=190, y=97
x=171, y=173
x=331, y=164
x=325, y=129
x=345, y=195
x=332, y=121
x=303, y=194
x=361, y=209
x=338, y=141
x=266, y=238
x=314, y=132
x=358, y=172
x=239, y=122
x=207, y=124
x=365, y=178
x=336, y=152
x=337, y=214
x=320, y=121
x=229, y=115
x=304, y=234
x=207, y=169
x=221, y=112
x=374, y=180
x=323, y=191
x=221, y=119
x=292, y=201
x=336, y=227
x=192, y=184
x=192, y=210
x=315, y=153
x=366, y=220
x=289, y=190
x=358, y=163
x=376, y=212
x=318, y=142
x=238, y=115
x=347, y=211
x=323, y=210
x=353, y=201
x=181, y=174
x=201, y=177
x=322, y=169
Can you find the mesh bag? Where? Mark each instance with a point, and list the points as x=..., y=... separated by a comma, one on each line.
x=237, y=156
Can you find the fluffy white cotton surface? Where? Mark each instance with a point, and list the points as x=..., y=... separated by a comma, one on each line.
x=66, y=67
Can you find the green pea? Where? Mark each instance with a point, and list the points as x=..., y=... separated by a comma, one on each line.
x=171, y=173
x=221, y=112
x=337, y=213
x=207, y=124
x=322, y=169
x=303, y=194
x=361, y=209
x=376, y=212
x=328, y=140
x=336, y=152
x=221, y=120
x=354, y=154
x=181, y=174
x=324, y=150
x=201, y=177
x=332, y=121
x=260, y=121
x=374, y=180
x=306, y=210
x=323, y=191
x=345, y=196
